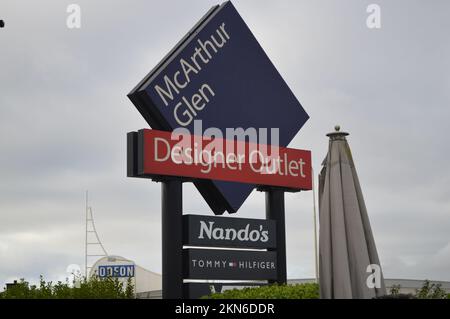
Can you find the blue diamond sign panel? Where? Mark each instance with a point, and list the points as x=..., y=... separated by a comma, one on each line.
x=219, y=74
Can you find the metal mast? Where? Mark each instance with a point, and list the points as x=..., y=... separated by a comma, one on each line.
x=91, y=241
x=316, y=259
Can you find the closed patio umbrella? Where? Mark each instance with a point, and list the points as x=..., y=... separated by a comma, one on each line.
x=346, y=244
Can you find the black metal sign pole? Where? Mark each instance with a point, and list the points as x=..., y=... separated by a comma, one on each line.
x=172, y=239
x=275, y=211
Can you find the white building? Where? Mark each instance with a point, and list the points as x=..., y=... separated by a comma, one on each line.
x=144, y=281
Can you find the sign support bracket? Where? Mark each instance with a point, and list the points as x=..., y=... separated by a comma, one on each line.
x=275, y=210
x=172, y=238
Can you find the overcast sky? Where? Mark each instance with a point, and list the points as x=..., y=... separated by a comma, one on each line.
x=64, y=116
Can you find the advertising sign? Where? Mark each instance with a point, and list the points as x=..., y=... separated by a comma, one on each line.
x=158, y=153
x=230, y=264
x=116, y=271
x=219, y=74
x=211, y=231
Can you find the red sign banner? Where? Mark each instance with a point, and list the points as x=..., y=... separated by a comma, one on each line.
x=167, y=153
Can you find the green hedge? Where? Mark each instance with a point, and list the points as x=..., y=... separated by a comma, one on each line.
x=431, y=291
x=311, y=291
x=94, y=288
x=299, y=291
x=112, y=288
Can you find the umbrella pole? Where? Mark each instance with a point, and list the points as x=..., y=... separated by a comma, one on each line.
x=316, y=261
x=275, y=210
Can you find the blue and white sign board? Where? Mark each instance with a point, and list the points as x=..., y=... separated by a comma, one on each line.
x=119, y=271
x=218, y=73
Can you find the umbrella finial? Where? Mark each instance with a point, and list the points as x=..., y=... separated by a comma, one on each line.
x=337, y=134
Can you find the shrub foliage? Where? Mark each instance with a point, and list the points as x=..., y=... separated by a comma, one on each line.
x=94, y=288
x=311, y=291
x=299, y=291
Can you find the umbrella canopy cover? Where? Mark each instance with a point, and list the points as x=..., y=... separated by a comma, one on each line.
x=347, y=252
